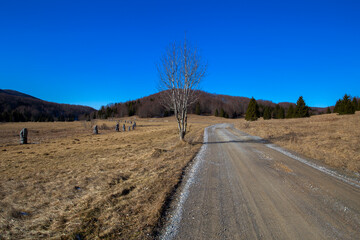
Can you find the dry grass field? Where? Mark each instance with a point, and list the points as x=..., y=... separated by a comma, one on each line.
x=70, y=184
x=330, y=138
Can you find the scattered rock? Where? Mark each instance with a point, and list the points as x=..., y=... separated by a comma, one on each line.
x=95, y=129
x=23, y=136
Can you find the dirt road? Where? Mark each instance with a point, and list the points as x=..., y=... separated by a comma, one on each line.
x=242, y=188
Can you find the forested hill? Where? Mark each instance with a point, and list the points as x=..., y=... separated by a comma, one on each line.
x=19, y=107
x=208, y=104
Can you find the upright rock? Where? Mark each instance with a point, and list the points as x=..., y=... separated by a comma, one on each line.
x=95, y=129
x=23, y=136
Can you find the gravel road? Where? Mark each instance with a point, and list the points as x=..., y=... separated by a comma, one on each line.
x=242, y=188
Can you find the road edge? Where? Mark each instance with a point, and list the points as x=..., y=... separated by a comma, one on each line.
x=174, y=213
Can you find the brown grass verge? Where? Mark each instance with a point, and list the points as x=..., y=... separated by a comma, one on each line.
x=330, y=138
x=76, y=184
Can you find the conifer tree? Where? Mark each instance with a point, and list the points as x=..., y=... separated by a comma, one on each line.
x=222, y=113
x=197, y=109
x=252, y=112
x=355, y=103
x=301, y=109
x=344, y=106
x=347, y=106
x=216, y=113
x=291, y=112
x=276, y=110
x=281, y=113
x=328, y=111
x=337, y=106
x=267, y=113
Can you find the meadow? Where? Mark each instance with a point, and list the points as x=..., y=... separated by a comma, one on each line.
x=68, y=183
x=331, y=139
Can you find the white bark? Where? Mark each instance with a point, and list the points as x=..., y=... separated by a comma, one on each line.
x=181, y=71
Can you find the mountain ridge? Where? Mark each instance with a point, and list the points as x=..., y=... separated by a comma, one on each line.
x=17, y=106
x=20, y=107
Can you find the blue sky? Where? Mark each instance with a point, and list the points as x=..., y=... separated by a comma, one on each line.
x=99, y=52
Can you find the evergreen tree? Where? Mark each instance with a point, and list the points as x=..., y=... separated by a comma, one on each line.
x=222, y=113
x=197, y=109
x=337, y=106
x=328, y=111
x=216, y=113
x=344, y=106
x=280, y=114
x=301, y=109
x=267, y=113
x=347, y=106
x=291, y=112
x=276, y=110
x=252, y=112
x=355, y=103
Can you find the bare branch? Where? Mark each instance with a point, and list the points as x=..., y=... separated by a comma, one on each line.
x=180, y=73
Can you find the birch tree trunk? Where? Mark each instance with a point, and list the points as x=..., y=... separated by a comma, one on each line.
x=180, y=71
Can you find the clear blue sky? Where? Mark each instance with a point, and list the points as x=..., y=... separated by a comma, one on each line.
x=100, y=52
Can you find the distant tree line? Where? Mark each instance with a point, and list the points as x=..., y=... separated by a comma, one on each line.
x=300, y=110
x=207, y=104
x=19, y=110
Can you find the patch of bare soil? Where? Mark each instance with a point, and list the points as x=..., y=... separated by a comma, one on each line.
x=70, y=184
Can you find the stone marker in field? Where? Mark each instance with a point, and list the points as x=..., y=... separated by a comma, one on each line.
x=23, y=136
x=95, y=129
x=123, y=127
x=117, y=127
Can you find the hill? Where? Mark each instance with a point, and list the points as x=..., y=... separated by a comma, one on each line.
x=207, y=104
x=19, y=107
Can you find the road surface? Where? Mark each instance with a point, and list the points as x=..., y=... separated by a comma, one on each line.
x=243, y=188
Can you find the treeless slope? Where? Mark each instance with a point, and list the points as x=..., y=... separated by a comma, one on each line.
x=331, y=138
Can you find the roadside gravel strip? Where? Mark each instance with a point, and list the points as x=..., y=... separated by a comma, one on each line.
x=172, y=227
x=240, y=187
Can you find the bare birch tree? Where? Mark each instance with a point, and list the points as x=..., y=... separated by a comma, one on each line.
x=180, y=70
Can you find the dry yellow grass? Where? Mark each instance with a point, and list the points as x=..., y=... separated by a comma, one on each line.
x=72, y=183
x=330, y=138
x=69, y=182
